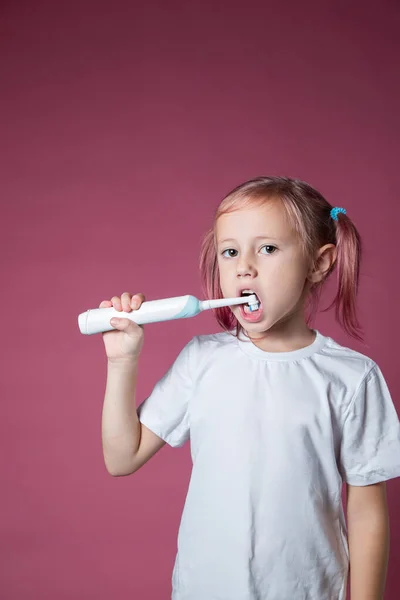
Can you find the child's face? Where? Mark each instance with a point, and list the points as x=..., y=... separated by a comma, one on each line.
x=262, y=254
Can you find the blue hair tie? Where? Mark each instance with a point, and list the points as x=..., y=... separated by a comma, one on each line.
x=335, y=211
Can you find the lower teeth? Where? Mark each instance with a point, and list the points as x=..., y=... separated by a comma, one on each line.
x=248, y=310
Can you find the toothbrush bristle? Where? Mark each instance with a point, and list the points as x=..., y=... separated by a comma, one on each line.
x=253, y=303
x=252, y=300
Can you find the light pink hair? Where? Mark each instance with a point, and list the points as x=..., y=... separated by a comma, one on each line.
x=308, y=213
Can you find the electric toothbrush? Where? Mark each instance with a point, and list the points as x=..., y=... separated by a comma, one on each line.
x=97, y=320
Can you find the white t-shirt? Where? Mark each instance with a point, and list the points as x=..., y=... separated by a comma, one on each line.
x=272, y=435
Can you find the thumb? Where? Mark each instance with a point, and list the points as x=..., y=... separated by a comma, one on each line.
x=121, y=324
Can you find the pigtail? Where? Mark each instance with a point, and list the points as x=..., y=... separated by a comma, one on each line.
x=349, y=253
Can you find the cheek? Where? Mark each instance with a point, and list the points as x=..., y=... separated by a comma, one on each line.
x=290, y=280
x=223, y=274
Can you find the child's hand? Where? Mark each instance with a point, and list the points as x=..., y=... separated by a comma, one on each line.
x=125, y=342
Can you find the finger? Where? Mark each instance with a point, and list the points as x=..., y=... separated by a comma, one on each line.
x=122, y=324
x=126, y=302
x=116, y=302
x=137, y=300
x=105, y=304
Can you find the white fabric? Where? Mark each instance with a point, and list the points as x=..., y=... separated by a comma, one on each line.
x=272, y=436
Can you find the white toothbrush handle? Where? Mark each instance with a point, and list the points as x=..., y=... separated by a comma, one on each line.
x=97, y=320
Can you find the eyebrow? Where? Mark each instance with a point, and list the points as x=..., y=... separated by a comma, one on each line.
x=259, y=237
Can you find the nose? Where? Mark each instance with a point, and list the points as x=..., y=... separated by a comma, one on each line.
x=245, y=267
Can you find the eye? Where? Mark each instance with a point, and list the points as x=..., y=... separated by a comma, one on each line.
x=268, y=246
x=232, y=251
x=228, y=250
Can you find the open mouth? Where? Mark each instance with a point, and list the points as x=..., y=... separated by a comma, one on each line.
x=253, y=307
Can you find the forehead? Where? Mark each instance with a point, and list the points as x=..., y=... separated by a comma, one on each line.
x=269, y=220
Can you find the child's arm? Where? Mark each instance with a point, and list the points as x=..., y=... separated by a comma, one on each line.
x=127, y=444
x=368, y=531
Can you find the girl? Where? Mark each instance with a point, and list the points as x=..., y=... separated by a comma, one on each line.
x=278, y=414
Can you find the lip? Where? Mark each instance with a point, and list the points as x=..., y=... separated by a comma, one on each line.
x=252, y=317
x=246, y=287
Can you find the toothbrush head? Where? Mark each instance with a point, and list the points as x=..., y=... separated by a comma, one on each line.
x=253, y=302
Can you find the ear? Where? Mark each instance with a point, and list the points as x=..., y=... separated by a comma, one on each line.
x=324, y=261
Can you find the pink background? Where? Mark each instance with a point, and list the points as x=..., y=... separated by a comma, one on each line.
x=123, y=124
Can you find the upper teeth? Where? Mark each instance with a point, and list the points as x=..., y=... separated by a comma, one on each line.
x=255, y=301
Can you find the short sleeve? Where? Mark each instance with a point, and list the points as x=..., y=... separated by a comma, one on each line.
x=370, y=445
x=165, y=411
